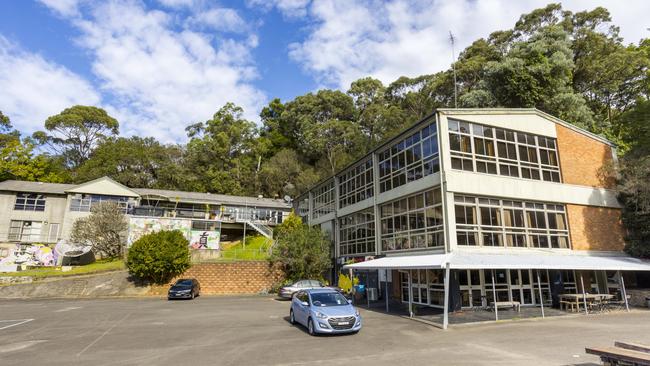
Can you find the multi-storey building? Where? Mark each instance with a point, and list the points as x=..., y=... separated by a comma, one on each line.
x=478, y=204
x=44, y=213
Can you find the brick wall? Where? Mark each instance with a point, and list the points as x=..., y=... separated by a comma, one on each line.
x=595, y=228
x=583, y=160
x=245, y=277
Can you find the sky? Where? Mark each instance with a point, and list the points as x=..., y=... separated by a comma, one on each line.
x=160, y=65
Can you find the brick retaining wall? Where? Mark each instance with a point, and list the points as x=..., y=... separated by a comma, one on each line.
x=245, y=277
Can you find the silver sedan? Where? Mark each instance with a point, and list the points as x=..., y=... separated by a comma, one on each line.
x=287, y=292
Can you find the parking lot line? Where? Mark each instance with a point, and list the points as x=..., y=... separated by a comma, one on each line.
x=102, y=335
x=15, y=321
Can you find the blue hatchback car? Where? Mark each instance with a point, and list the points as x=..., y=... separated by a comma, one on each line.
x=324, y=311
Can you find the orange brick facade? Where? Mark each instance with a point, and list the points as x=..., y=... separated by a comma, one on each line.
x=246, y=277
x=583, y=160
x=595, y=228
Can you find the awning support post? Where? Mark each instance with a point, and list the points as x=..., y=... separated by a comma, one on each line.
x=539, y=287
x=367, y=283
x=494, y=301
x=386, y=292
x=445, y=318
x=623, y=292
x=584, y=295
x=410, y=295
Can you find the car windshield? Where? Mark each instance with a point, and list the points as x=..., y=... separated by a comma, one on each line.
x=328, y=299
x=184, y=283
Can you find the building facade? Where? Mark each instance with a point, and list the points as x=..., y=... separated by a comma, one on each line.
x=478, y=193
x=44, y=213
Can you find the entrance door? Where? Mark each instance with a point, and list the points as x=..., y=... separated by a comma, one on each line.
x=544, y=284
x=500, y=285
x=521, y=287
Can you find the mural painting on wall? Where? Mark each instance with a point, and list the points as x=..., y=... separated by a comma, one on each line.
x=139, y=226
x=202, y=239
x=29, y=255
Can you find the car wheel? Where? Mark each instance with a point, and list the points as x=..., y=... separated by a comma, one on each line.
x=310, y=327
x=292, y=320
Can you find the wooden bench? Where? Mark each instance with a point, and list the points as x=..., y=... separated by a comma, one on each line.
x=622, y=354
x=507, y=304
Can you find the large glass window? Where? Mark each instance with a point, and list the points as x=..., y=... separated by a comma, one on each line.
x=324, y=199
x=357, y=233
x=414, y=222
x=25, y=230
x=84, y=203
x=490, y=150
x=356, y=183
x=494, y=222
x=30, y=202
x=409, y=159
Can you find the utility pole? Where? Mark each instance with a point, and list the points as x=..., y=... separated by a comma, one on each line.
x=453, y=67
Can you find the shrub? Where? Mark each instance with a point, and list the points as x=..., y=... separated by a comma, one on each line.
x=302, y=252
x=159, y=256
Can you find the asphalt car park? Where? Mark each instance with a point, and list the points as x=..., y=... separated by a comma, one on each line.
x=256, y=331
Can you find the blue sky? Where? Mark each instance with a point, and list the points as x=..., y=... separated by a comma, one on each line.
x=159, y=65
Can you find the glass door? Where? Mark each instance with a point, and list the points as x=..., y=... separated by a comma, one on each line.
x=545, y=285
x=521, y=287
x=470, y=288
x=500, y=285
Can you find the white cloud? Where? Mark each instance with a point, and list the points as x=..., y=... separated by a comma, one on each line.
x=348, y=40
x=157, y=78
x=160, y=70
x=219, y=19
x=32, y=88
x=288, y=8
x=65, y=8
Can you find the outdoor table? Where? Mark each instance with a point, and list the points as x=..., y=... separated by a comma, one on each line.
x=577, y=299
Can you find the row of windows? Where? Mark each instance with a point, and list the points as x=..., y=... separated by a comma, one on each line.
x=413, y=222
x=324, y=199
x=356, y=184
x=498, y=223
x=84, y=203
x=29, y=202
x=492, y=150
x=357, y=233
x=409, y=159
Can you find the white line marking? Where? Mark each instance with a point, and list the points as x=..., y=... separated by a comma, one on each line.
x=67, y=309
x=20, y=321
x=103, y=334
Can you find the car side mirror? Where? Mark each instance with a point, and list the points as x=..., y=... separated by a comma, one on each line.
x=305, y=303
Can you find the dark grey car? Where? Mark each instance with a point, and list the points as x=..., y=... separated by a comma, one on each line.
x=186, y=288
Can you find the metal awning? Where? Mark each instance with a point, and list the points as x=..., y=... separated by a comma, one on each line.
x=524, y=260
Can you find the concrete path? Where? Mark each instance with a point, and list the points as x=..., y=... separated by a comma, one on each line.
x=255, y=331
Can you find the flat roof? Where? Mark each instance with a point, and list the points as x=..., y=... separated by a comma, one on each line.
x=535, y=259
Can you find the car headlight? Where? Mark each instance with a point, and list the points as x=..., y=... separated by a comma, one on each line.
x=320, y=315
x=356, y=313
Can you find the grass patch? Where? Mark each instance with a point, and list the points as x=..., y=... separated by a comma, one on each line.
x=256, y=248
x=102, y=265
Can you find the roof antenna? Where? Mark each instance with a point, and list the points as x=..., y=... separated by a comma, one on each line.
x=453, y=67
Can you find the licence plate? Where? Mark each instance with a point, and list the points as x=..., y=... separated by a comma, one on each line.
x=344, y=323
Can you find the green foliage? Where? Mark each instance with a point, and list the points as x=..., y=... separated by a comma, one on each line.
x=290, y=224
x=76, y=131
x=104, y=229
x=18, y=161
x=135, y=162
x=159, y=256
x=301, y=251
x=633, y=187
